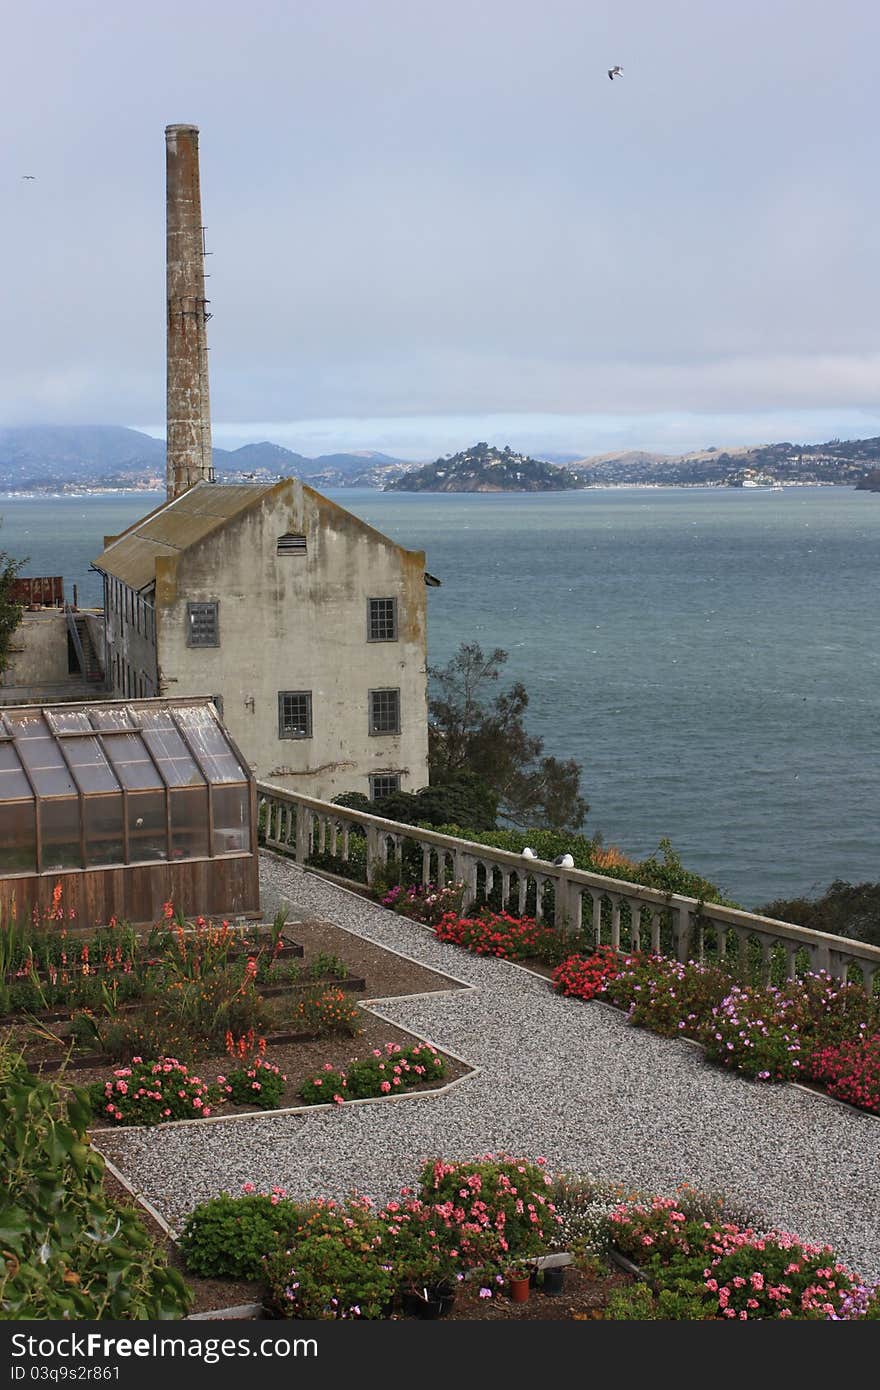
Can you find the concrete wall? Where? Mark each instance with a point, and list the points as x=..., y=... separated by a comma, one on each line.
x=130, y=651
x=38, y=653
x=299, y=623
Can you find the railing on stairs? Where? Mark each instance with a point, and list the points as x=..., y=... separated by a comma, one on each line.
x=611, y=911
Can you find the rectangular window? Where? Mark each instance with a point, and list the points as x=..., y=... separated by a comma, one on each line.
x=384, y=711
x=203, y=625
x=294, y=714
x=382, y=620
x=383, y=784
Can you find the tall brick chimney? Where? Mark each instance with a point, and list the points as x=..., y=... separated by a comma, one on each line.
x=188, y=457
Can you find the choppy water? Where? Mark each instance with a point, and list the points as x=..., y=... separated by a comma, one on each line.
x=710, y=657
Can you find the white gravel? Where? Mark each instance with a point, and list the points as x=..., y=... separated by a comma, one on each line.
x=570, y=1081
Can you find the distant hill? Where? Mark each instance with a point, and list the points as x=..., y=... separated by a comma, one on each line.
x=837, y=461
x=485, y=468
x=38, y=456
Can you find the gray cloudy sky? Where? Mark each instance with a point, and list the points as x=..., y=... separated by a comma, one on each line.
x=435, y=222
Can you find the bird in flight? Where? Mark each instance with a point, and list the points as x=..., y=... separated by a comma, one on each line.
x=616, y=71
x=29, y=176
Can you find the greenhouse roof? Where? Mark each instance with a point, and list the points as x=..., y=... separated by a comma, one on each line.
x=98, y=747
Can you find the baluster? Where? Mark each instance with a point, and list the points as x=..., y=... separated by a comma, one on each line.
x=615, y=922
x=441, y=868
x=791, y=950
x=766, y=949
x=322, y=834
x=681, y=931
x=334, y=830
x=505, y=888
x=426, y=864
x=636, y=927
x=303, y=834
x=522, y=890
x=596, y=897
x=346, y=830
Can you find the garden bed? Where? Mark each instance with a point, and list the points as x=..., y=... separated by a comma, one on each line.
x=383, y=974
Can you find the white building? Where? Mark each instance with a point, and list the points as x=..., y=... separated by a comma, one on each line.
x=306, y=625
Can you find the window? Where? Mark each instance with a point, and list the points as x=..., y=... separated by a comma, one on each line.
x=203, y=625
x=294, y=714
x=384, y=711
x=291, y=545
x=381, y=619
x=383, y=784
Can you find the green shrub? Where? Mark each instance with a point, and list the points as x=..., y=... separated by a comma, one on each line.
x=328, y=1276
x=227, y=1237
x=69, y=1252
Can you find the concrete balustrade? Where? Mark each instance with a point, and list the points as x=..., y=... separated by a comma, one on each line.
x=611, y=911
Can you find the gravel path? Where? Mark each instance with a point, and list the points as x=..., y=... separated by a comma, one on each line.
x=559, y=1078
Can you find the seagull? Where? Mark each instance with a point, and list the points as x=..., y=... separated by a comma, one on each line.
x=529, y=853
x=29, y=176
x=616, y=71
x=564, y=861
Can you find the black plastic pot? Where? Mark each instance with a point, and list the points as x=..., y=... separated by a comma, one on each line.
x=436, y=1305
x=553, y=1281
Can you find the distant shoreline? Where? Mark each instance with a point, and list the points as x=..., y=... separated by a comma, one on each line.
x=36, y=495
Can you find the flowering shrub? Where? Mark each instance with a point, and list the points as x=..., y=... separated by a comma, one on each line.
x=735, y=1273
x=583, y=977
x=148, y=1093
x=851, y=1071
x=425, y=902
x=668, y=997
x=386, y=1071
x=328, y=1276
x=500, y=1205
x=260, y=1083
x=829, y=1011
x=326, y=1011
x=497, y=934
x=750, y=1030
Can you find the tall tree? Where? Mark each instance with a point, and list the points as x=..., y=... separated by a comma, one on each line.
x=473, y=729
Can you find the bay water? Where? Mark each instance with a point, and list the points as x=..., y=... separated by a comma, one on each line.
x=710, y=656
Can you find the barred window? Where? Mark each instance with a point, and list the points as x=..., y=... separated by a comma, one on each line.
x=384, y=711
x=294, y=714
x=383, y=784
x=203, y=625
x=382, y=620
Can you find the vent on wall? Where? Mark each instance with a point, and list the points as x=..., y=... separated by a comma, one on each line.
x=291, y=545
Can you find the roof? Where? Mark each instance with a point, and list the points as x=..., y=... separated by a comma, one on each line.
x=98, y=747
x=174, y=527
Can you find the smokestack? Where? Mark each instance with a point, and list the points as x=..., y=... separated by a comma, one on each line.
x=188, y=457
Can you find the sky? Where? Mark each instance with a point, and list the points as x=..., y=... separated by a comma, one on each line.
x=432, y=224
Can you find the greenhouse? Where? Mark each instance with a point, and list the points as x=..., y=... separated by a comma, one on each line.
x=128, y=804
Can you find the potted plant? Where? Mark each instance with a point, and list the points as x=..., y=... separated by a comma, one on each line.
x=518, y=1284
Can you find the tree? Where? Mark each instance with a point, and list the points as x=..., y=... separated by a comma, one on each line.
x=470, y=729
x=10, y=611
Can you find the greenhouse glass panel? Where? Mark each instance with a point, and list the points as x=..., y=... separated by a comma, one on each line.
x=70, y=721
x=18, y=838
x=147, y=838
x=110, y=718
x=132, y=763
x=175, y=761
x=189, y=822
x=48, y=770
x=210, y=745
x=103, y=821
x=13, y=783
x=59, y=834
x=90, y=768
x=232, y=819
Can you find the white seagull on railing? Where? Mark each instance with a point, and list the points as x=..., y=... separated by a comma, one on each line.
x=616, y=71
x=529, y=853
x=564, y=861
